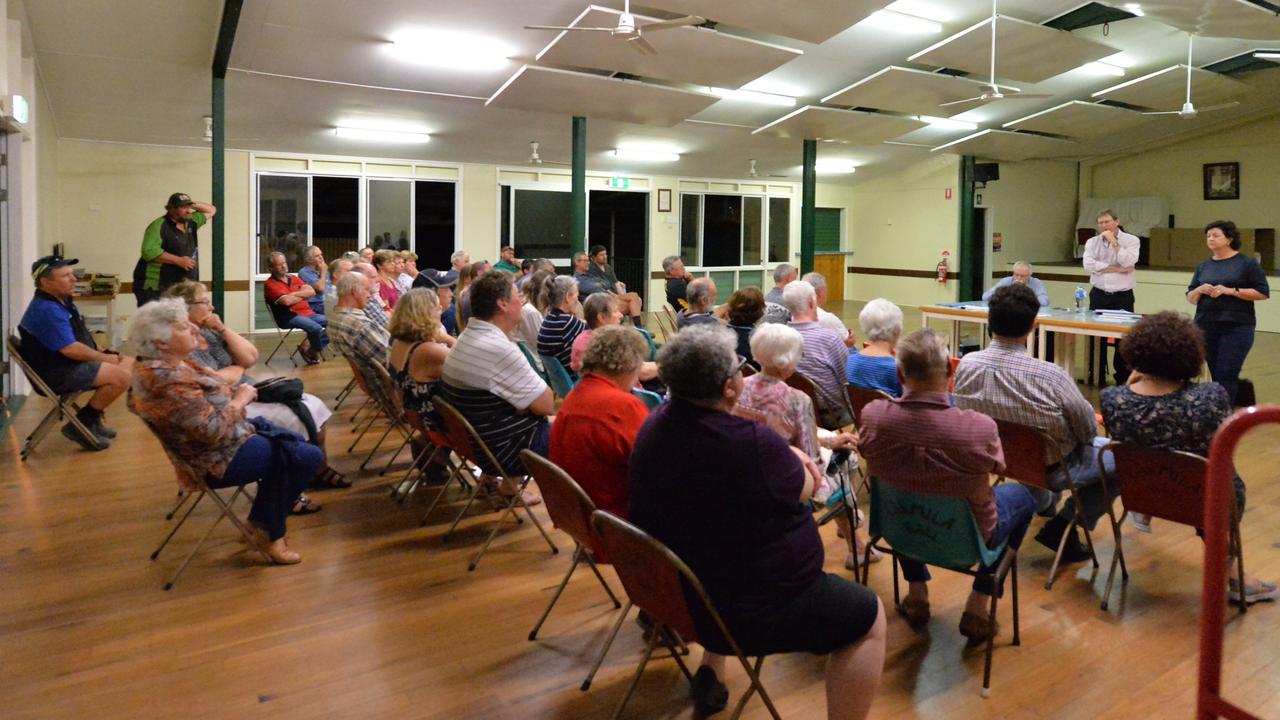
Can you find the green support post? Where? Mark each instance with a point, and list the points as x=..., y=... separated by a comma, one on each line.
x=221, y=58
x=969, y=284
x=807, y=201
x=578, y=206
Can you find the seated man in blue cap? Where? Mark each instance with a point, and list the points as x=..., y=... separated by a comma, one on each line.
x=56, y=343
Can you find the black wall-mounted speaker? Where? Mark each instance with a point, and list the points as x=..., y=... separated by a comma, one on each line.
x=986, y=172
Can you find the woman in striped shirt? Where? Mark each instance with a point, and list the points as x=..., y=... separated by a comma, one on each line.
x=561, y=326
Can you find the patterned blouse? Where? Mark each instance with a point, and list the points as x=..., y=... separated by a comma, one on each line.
x=768, y=400
x=1182, y=420
x=189, y=409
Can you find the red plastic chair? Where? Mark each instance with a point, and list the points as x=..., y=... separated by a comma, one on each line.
x=1028, y=453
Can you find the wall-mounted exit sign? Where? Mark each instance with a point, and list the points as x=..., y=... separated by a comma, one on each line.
x=620, y=183
x=20, y=110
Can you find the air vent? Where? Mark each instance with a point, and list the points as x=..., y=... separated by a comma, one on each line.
x=1088, y=15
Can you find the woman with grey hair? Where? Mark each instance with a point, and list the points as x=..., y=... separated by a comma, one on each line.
x=200, y=420
x=738, y=517
x=561, y=326
x=873, y=367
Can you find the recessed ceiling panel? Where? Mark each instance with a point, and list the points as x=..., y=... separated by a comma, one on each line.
x=851, y=126
x=596, y=96
x=909, y=91
x=1007, y=146
x=684, y=54
x=1214, y=18
x=1024, y=51
x=813, y=21
x=1167, y=89
x=1080, y=119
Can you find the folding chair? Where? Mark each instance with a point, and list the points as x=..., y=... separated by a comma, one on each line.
x=570, y=509
x=1167, y=484
x=387, y=403
x=671, y=327
x=533, y=362
x=940, y=531
x=1028, y=453
x=653, y=347
x=749, y=368
x=650, y=399
x=655, y=581
x=434, y=445
x=283, y=331
x=859, y=398
x=199, y=492
x=471, y=447
x=64, y=405
x=807, y=386
x=558, y=377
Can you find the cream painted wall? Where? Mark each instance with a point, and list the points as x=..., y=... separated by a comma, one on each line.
x=107, y=194
x=1033, y=205
x=904, y=221
x=1175, y=172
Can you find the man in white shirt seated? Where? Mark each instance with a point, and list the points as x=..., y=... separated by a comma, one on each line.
x=1022, y=276
x=828, y=320
x=1110, y=257
x=491, y=383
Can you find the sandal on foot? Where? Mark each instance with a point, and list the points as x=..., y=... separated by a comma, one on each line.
x=328, y=479
x=305, y=506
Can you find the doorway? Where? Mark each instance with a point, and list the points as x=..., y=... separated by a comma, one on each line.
x=619, y=220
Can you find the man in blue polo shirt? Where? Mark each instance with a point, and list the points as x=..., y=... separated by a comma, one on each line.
x=56, y=343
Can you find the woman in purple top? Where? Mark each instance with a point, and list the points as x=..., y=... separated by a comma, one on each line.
x=740, y=523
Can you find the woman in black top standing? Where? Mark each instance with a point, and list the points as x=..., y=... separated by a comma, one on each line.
x=1224, y=289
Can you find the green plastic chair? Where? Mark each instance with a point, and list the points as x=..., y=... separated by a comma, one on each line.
x=532, y=363
x=650, y=399
x=653, y=347
x=939, y=531
x=558, y=377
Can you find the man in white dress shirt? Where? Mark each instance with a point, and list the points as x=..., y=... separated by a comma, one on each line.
x=1110, y=257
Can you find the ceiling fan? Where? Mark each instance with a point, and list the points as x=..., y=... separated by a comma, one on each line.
x=536, y=160
x=1189, y=110
x=991, y=91
x=628, y=30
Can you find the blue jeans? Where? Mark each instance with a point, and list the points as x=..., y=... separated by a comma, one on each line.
x=278, y=487
x=1014, y=508
x=1226, y=346
x=314, y=326
x=1086, y=477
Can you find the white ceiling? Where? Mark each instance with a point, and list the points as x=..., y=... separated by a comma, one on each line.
x=139, y=72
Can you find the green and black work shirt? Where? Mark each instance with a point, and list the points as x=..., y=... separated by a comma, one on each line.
x=164, y=236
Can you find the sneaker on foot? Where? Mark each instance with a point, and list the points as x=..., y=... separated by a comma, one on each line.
x=93, y=444
x=1253, y=592
x=1140, y=522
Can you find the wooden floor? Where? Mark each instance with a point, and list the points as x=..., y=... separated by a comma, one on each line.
x=382, y=619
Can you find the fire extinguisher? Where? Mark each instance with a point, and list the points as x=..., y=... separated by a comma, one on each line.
x=943, y=266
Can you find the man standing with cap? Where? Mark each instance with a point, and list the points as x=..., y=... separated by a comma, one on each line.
x=170, y=252
x=56, y=343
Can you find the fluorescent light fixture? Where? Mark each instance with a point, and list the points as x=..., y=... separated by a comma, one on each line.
x=456, y=51
x=947, y=123
x=388, y=136
x=754, y=96
x=902, y=23
x=1271, y=55
x=835, y=167
x=920, y=8
x=644, y=155
x=1134, y=8
x=1120, y=60
x=1101, y=68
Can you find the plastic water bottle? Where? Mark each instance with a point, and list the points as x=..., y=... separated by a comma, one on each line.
x=1079, y=298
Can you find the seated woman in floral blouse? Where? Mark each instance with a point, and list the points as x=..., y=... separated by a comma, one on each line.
x=766, y=398
x=230, y=355
x=200, y=420
x=1162, y=408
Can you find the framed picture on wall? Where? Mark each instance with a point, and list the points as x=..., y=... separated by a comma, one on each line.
x=664, y=200
x=1222, y=181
